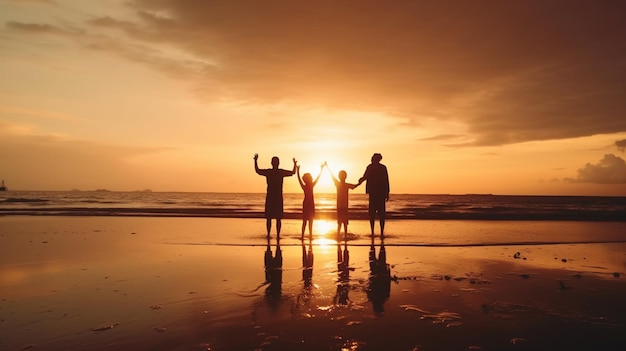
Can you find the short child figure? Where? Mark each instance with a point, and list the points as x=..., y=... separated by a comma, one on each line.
x=308, y=205
x=342, y=201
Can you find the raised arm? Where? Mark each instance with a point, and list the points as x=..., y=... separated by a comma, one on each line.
x=295, y=164
x=256, y=164
x=299, y=178
x=335, y=180
x=320, y=173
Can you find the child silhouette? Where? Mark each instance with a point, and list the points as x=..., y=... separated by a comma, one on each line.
x=342, y=200
x=308, y=204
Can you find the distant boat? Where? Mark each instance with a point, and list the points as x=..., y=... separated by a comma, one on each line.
x=3, y=187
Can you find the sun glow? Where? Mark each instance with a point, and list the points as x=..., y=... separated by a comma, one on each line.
x=324, y=232
x=324, y=227
x=325, y=183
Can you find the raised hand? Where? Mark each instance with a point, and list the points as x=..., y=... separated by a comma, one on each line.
x=256, y=156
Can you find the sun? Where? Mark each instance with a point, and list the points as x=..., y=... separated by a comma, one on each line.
x=325, y=184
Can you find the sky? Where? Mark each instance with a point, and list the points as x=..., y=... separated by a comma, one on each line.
x=502, y=97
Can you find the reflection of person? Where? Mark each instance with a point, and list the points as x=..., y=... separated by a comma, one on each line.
x=273, y=272
x=343, y=272
x=379, y=286
x=342, y=200
x=377, y=187
x=274, y=197
x=308, y=205
x=307, y=265
x=307, y=275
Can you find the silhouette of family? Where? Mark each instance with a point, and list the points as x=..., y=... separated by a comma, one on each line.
x=377, y=188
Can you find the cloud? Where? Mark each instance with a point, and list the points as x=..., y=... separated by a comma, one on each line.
x=507, y=81
x=621, y=145
x=32, y=160
x=443, y=137
x=48, y=2
x=33, y=27
x=610, y=170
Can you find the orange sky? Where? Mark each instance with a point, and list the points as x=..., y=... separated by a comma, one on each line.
x=503, y=97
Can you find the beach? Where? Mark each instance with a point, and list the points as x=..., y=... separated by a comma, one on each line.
x=154, y=283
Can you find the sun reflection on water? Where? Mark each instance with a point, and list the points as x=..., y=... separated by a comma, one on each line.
x=324, y=232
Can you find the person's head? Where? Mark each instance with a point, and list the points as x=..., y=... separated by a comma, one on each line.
x=275, y=162
x=376, y=158
x=343, y=175
x=307, y=178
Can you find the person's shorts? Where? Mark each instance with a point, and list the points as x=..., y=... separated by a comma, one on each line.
x=274, y=207
x=377, y=205
x=342, y=215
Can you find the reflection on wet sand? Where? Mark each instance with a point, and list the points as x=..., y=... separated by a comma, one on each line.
x=273, y=273
x=307, y=265
x=307, y=273
x=343, y=273
x=379, y=286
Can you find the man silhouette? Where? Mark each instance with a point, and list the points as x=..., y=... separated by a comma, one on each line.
x=377, y=187
x=274, y=197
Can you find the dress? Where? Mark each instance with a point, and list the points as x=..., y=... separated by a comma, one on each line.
x=308, y=205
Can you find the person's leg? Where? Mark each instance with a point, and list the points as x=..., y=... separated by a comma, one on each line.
x=372, y=213
x=268, y=226
x=278, y=226
x=339, y=258
x=310, y=229
x=303, y=228
x=338, y=230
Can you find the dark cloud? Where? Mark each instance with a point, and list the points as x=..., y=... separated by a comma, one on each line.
x=621, y=145
x=512, y=71
x=33, y=27
x=609, y=170
x=48, y=2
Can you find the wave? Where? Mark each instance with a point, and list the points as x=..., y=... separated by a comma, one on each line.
x=239, y=205
x=23, y=200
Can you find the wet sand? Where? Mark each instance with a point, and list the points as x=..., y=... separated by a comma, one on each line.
x=126, y=283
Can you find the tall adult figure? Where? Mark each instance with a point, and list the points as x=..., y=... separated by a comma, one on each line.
x=377, y=187
x=274, y=197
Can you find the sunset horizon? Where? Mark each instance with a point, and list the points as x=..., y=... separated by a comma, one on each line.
x=487, y=97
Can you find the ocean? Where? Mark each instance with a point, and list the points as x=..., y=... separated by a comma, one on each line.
x=413, y=220
x=251, y=205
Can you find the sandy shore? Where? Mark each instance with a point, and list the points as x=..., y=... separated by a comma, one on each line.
x=113, y=283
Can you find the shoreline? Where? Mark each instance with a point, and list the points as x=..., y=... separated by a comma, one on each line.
x=486, y=215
